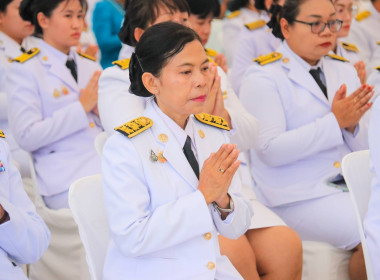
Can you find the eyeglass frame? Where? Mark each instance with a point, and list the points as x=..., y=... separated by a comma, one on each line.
x=324, y=25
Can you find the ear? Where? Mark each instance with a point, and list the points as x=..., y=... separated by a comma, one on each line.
x=151, y=83
x=285, y=28
x=42, y=20
x=138, y=33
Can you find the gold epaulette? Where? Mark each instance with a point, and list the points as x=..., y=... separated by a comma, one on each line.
x=2, y=134
x=123, y=63
x=212, y=120
x=349, y=47
x=362, y=15
x=234, y=14
x=337, y=57
x=86, y=56
x=27, y=55
x=378, y=42
x=268, y=58
x=211, y=52
x=377, y=68
x=135, y=127
x=256, y=24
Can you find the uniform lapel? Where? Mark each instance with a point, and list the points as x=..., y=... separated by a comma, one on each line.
x=59, y=70
x=171, y=150
x=331, y=78
x=297, y=74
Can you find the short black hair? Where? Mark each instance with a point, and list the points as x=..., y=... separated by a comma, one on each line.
x=234, y=5
x=203, y=8
x=156, y=47
x=141, y=13
x=29, y=10
x=4, y=4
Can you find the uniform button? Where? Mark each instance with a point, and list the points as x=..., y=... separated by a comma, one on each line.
x=207, y=236
x=337, y=164
x=92, y=124
x=211, y=265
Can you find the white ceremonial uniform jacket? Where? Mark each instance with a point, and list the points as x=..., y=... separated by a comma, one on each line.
x=25, y=237
x=372, y=219
x=161, y=227
x=374, y=80
x=365, y=35
x=47, y=118
x=117, y=106
x=300, y=144
x=232, y=25
x=352, y=56
x=250, y=45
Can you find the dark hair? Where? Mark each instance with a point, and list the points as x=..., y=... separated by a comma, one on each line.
x=4, y=4
x=29, y=10
x=141, y=13
x=157, y=46
x=234, y=5
x=260, y=5
x=203, y=8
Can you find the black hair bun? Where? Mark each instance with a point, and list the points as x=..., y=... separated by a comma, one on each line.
x=26, y=11
x=135, y=76
x=274, y=22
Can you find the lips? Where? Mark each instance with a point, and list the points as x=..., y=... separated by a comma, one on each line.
x=75, y=35
x=326, y=45
x=201, y=98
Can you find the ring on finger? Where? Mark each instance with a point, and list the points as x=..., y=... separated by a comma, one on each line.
x=221, y=170
x=355, y=100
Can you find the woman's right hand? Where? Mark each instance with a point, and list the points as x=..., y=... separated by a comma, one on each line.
x=349, y=110
x=360, y=69
x=89, y=95
x=217, y=173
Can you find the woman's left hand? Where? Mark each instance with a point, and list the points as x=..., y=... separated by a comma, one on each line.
x=360, y=69
x=214, y=104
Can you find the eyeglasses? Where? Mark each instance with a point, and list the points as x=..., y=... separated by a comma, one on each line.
x=318, y=27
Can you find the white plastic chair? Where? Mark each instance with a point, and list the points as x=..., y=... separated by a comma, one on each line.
x=356, y=171
x=87, y=205
x=99, y=142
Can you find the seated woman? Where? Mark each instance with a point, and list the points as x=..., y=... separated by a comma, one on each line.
x=307, y=125
x=53, y=98
x=342, y=48
x=168, y=176
x=24, y=237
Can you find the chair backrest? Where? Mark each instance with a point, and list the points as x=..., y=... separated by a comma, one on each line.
x=356, y=171
x=87, y=205
x=99, y=142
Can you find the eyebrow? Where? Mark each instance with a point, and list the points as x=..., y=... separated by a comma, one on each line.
x=319, y=16
x=190, y=64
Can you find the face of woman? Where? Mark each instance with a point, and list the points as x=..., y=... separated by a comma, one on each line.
x=343, y=10
x=63, y=28
x=184, y=83
x=308, y=45
x=202, y=26
x=12, y=24
x=164, y=14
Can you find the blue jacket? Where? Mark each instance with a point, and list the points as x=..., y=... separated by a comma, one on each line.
x=106, y=22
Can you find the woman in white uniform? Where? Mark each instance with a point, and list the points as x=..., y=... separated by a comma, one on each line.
x=254, y=40
x=24, y=237
x=307, y=125
x=14, y=40
x=53, y=97
x=242, y=12
x=168, y=177
x=343, y=48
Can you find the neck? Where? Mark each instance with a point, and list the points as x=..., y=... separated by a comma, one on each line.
x=17, y=40
x=252, y=8
x=62, y=49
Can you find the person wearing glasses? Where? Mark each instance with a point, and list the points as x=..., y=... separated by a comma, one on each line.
x=311, y=109
x=343, y=48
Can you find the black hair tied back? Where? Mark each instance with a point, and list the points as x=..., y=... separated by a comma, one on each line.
x=135, y=76
x=26, y=11
x=274, y=22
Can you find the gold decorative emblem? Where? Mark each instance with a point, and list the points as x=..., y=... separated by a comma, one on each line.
x=45, y=58
x=65, y=91
x=160, y=157
x=201, y=133
x=268, y=58
x=163, y=138
x=2, y=135
x=255, y=25
x=212, y=120
x=56, y=93
x=123, y=63
x=135, y=127
x=286, y=60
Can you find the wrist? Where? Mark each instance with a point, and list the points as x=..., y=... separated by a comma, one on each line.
x=224, y=203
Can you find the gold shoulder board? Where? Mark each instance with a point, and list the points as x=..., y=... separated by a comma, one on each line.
x=123, y=63
x=362, y=15
x=212, y=120
x=27, y=55
x=349, y=47
x=378, y=42
x=135, y=127
x=86, y=56
x=268, y=58
x=337, y=57
x=377, y=68
x=2, y=134
x=256, y=24
x=234, y=14
x=211, y=52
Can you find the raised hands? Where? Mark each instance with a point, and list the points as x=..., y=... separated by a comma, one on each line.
x=89, y=95
x=349, y=110
x=360, y=69
x=217, y=173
